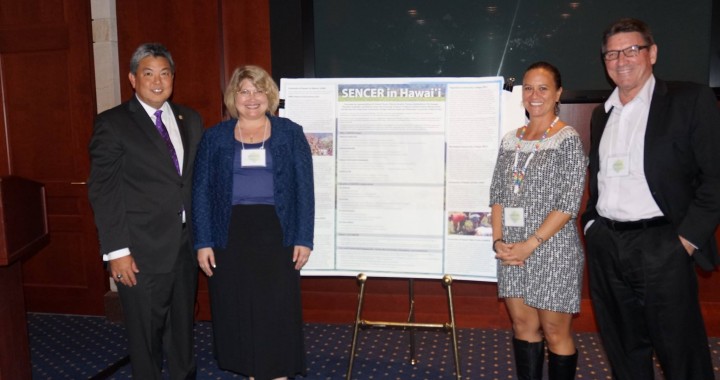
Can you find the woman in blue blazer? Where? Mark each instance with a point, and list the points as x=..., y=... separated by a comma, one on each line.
x=254, y=211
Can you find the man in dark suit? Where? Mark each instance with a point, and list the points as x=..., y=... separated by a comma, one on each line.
x=140, y=190
x=653, y=209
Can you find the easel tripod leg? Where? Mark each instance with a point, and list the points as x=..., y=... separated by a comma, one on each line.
x=411, y=319
x=361, y=280
x=447, y=280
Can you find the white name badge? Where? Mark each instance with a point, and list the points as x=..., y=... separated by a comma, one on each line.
x=253, y=158
x=514, y=216
x=618, y=166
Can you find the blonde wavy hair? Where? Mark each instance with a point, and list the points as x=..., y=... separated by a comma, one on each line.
x=262, y=81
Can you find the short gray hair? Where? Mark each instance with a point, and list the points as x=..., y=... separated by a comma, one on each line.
x=150, y=50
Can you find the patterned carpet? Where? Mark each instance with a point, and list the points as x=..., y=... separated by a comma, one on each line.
x=81, y=347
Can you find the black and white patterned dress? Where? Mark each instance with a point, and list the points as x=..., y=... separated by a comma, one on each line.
x=554, y=181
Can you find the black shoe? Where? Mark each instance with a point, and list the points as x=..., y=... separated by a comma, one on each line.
x=562, y=367
x=529, y=359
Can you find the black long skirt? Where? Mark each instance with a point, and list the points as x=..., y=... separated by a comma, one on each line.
x=255, y=299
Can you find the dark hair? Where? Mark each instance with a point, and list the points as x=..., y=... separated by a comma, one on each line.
x=150, y=50
x=549, y=67
x=628, y=25
x=555, y=73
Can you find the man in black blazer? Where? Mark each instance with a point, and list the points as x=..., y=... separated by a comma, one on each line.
x=140, y=191
x=653, y=208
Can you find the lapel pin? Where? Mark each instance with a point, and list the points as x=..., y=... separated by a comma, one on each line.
x=180, y=117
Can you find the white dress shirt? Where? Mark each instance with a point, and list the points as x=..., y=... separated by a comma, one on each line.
x=626, y=196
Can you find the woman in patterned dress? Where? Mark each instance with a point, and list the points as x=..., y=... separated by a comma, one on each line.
x=535, y=197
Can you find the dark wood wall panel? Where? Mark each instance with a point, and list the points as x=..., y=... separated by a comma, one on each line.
x=246, y=35
x=49, y=98
x=4, y=144
x=28, y=152
x=31, y=12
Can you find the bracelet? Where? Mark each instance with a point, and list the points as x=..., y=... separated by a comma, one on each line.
x=495, y=242
x=538, y=238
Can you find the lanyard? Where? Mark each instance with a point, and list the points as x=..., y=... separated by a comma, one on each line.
x=519, y=173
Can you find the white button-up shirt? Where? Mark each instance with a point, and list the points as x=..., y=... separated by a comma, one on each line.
x=626, y=197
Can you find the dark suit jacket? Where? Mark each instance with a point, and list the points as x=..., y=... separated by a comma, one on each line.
x=135, y=191
x=682, y=162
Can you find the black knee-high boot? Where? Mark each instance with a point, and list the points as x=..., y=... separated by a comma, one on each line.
x=562, y=367
x=529, y=359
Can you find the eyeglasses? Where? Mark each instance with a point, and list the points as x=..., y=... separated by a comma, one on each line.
x=250, y=93
x=629, y=52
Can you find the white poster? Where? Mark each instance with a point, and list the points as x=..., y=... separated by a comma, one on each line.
x=402, y=172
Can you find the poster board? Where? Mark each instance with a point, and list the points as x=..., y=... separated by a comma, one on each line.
x=402, y=170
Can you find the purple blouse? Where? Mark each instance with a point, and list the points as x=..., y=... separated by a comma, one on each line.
x=253, y=185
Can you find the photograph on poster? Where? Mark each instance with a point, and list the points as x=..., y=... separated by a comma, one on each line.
x=321, y=144
x=469, y=223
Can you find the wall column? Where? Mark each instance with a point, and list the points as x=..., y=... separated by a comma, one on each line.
x=105, y=51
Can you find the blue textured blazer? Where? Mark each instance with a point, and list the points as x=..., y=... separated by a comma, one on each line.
x=293, y=188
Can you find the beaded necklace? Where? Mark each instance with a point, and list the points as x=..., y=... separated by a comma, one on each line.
x=519, y=173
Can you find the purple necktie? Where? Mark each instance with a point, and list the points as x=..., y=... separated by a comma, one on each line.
x=166, y=136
